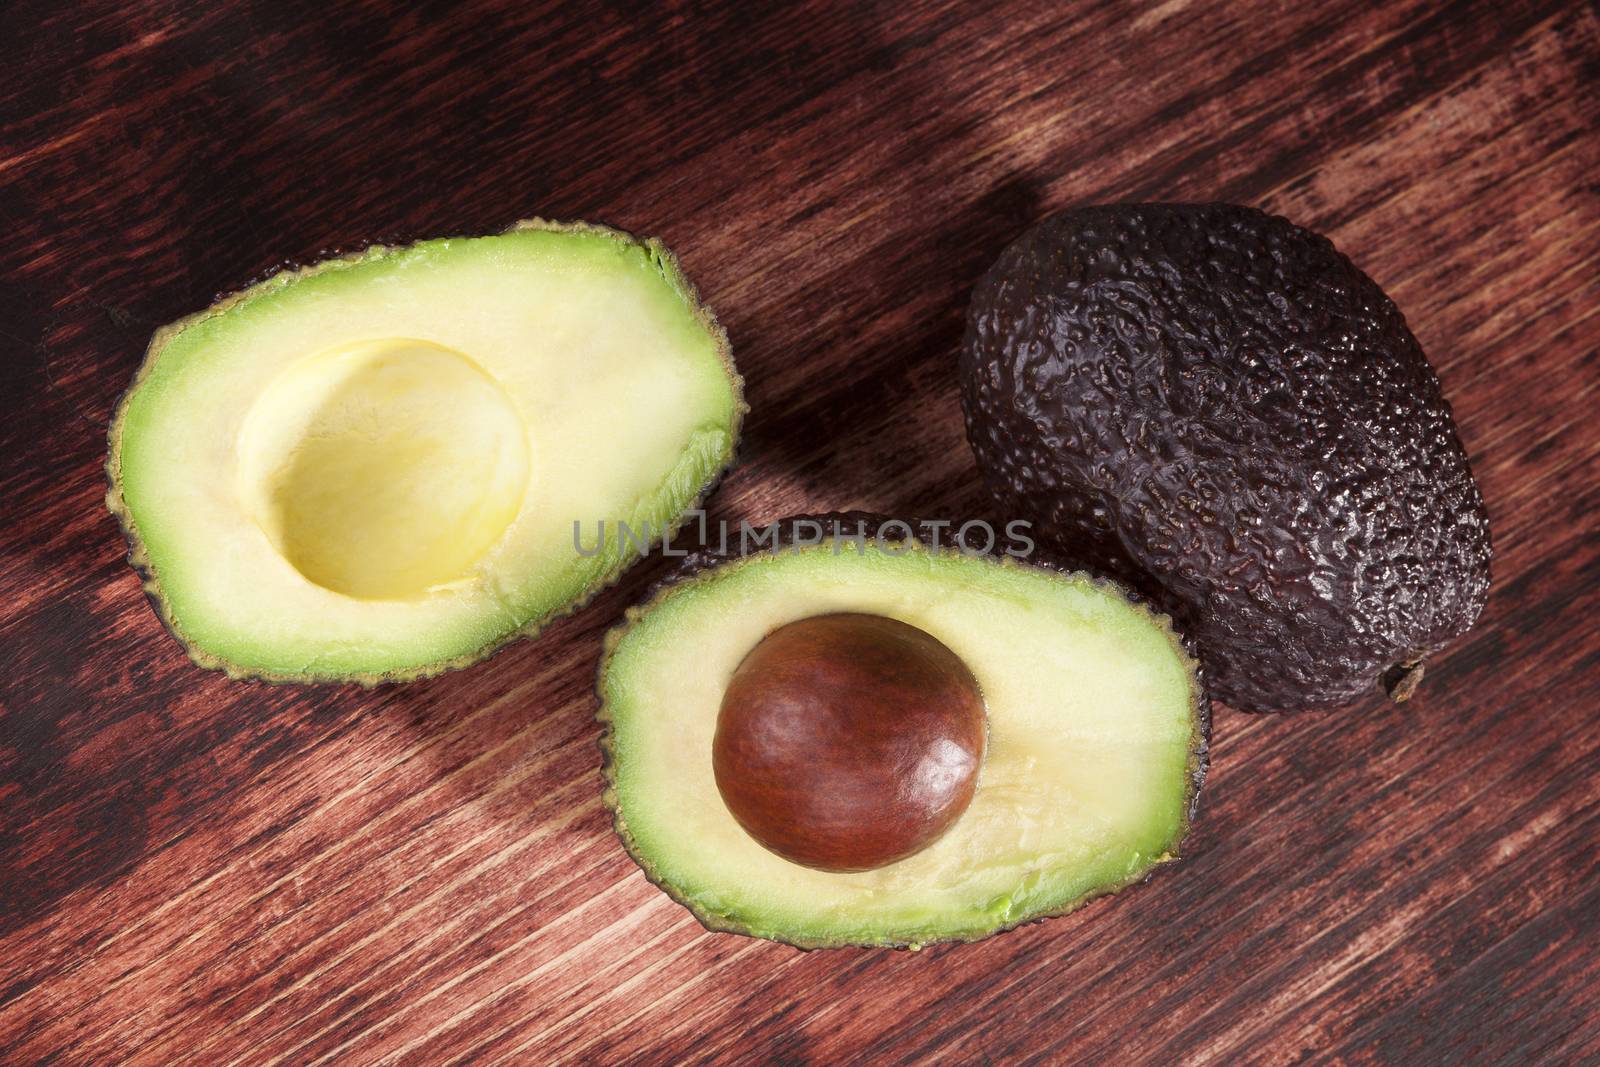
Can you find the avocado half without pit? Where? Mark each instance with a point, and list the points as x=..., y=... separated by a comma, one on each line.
x=893, y=743
x=369, y=469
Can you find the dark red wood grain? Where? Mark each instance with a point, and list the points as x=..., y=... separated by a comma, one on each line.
x=194, y=870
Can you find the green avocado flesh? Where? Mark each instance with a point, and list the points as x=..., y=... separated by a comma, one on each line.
x=370, y=469
x=1094, y=741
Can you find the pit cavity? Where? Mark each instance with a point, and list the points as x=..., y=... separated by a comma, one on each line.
x=384, y=469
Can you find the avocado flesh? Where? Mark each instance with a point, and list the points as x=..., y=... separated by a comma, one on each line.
x=1218, y=408
x=1095, y=737
x=370, y=469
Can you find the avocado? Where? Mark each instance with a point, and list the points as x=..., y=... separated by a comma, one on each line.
x=1215, y=406
x=858, y=736
x=369, y=469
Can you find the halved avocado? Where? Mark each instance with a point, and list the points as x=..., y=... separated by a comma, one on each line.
x=370, y=469
x=1095, y=746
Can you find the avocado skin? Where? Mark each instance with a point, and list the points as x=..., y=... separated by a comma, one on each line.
x=1217, y=407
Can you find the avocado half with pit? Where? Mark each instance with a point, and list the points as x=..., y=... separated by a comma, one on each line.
x=370, y=469
x=866, y=738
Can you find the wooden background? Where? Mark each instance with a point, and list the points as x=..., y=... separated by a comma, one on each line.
x=193, y=870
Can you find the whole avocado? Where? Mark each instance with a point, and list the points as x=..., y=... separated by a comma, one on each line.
x=1217, y=406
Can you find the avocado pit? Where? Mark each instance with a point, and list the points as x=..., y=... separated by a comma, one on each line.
x=846, y=742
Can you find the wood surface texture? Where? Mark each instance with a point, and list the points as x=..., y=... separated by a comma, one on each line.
x=199, y=871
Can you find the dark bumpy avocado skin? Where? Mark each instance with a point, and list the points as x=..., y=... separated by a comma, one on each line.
x=1216, y=406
